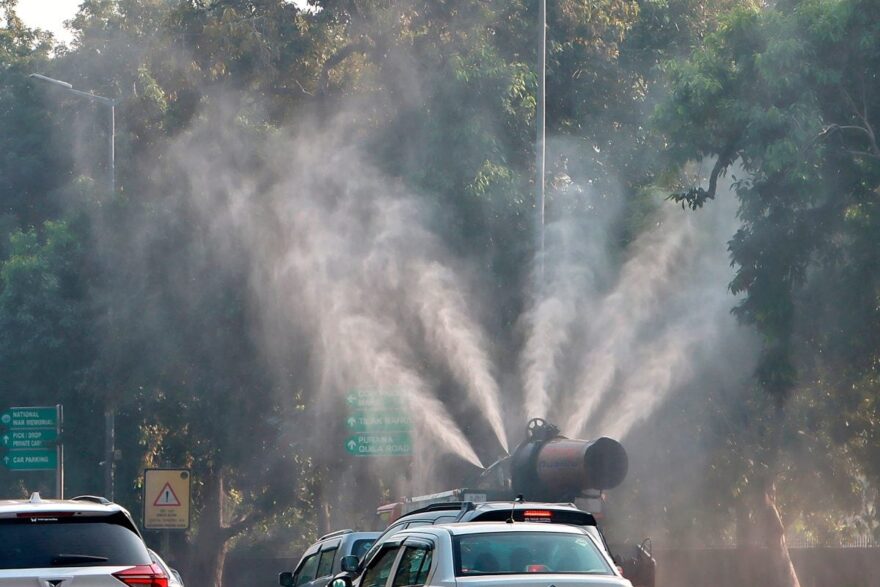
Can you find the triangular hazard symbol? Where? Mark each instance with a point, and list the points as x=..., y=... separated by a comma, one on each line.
x=167, y=497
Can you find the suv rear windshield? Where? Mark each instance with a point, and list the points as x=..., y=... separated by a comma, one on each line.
x=512, y=553
x=34, y=543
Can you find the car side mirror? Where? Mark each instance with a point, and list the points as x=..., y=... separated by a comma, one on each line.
x=285, y=579
x=349, y=564
x=341, y=582
x=177, y=576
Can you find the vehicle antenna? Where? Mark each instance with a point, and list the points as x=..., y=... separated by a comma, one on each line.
x=517, y=499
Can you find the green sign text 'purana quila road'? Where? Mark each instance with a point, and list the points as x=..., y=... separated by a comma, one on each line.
x=379, y=445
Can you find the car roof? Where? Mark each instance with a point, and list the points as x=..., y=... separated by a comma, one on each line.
x=361, y=535
x=86, y=505
x=348, y=534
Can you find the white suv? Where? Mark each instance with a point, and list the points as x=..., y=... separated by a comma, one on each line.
x=81, y=542
x=489, y=554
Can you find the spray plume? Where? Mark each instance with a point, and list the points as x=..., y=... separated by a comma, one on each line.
x=615, y=326
x=328, y=262
x=695, y=322
x=670, y=300
x=575, y=263
x=638, y=330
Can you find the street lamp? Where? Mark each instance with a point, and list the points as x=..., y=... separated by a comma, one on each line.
x=94, y=98
x=109, y=414
x=540, y=150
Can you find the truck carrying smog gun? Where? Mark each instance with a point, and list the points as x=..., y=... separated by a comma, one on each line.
x=548, y=467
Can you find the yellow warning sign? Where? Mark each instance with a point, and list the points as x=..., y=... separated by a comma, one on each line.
x=166, y=499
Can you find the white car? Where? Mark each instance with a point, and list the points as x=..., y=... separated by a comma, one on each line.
x=489, y=554
x=81, y=542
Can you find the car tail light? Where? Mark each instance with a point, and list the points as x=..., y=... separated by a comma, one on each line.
x=537, y=514
x=143, y=576
x=537, y=569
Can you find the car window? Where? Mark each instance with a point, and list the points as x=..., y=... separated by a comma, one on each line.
x=527, y=552
x=27, y=543
x=420, y=523
x=413, y=568
x=445, y=519
x=379, y=570
x=390, y=531
x=360, y=547
x=325, y=564
x=307, y=570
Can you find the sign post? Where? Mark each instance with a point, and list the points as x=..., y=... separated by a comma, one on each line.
x=166, y=499
x=378, y=425
x=31, y=437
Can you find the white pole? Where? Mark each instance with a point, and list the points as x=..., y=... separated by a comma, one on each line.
x=540, y=155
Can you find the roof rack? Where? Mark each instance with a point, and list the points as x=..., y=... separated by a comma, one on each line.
x=337, y=533
x=463, y=506
x=92, y=498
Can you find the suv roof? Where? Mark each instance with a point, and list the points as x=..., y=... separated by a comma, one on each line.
x=85, y=504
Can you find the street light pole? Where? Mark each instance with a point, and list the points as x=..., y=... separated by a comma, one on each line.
x=540, y=150
x=111, y=170
x=110, y=413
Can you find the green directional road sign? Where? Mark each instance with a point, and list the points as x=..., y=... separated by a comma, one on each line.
x=43, y=417
x=379, y=445
x=29, y=436
x=360, y=399
x=375, y=421
x=22, y=439
x=31, y=460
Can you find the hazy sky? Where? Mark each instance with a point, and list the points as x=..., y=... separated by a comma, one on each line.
x=51, y=14
x=48, y=14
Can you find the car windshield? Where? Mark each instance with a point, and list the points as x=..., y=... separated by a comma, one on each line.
x=27, y=543
x=527, y=552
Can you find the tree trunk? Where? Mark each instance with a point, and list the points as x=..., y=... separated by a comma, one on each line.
x=764, y=556
x=781, y=570
x=208, y=549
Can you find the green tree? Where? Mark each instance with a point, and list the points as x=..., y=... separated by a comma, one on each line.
x=790, y=94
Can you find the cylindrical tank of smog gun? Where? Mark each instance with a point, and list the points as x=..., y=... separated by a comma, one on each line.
x=550, y=467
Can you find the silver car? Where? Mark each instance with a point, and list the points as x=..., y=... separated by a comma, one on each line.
x=489, y=554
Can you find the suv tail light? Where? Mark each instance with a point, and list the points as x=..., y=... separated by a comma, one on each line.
x=143, y=576
x=537, y=514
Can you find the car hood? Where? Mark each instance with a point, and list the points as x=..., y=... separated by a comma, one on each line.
x=543, y=580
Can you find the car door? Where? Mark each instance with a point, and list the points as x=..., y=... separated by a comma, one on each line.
x=324, y=569
x=379, y=568
x=307, y=568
